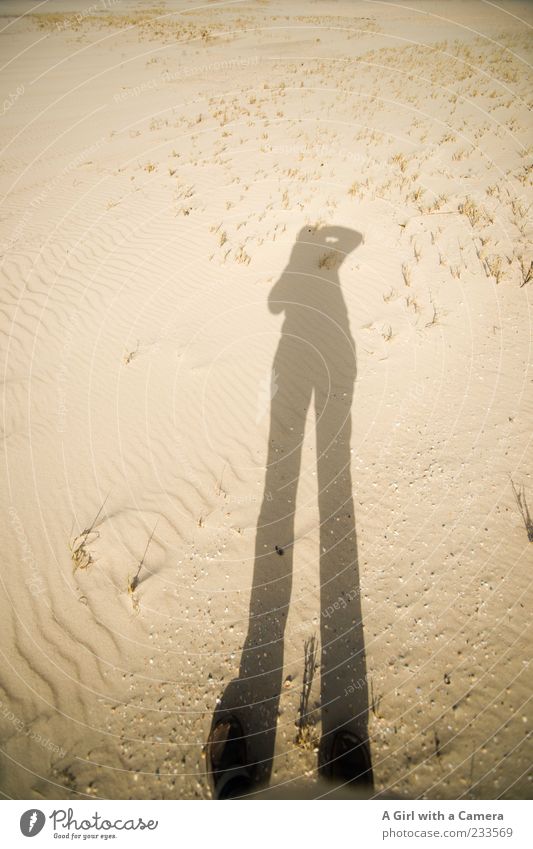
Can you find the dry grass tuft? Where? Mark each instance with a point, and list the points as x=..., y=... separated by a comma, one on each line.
x=475, y=213
x=520, y=497
x=306, y=736
x=133, y=583
x=401, y=161
x=242, y=257
x=329, y=260
x=527, y=273
x=80, y=554
x=494, y=267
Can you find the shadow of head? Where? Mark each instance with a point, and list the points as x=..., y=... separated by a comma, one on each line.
x=320, y=242
x=315, y=259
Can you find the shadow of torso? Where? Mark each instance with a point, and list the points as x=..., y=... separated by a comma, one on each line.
x=316, y=325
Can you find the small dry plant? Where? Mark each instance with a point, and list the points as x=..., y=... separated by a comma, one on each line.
x=400, y=160
x=494, y=267
x=473, y=212
x=80, y=554
x=375, y=701
x=329, y=260
x=242, y=257
x=406, y=273
x=306, y=736
x=527, y=273
x=130, y=355
x=520, y=497
x=133, y=583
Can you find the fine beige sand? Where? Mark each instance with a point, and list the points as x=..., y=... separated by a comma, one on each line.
x=164, y=167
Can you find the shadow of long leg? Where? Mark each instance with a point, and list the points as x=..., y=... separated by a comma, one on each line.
x=254, y=696
x=344, y=688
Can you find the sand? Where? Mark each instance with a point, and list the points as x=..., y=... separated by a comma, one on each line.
x=160, y=163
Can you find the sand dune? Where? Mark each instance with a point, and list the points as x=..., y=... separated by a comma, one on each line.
x=159, y=163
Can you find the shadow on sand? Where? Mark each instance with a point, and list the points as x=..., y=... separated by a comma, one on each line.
x=315, y=362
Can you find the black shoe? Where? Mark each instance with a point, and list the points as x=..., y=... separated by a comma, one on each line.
x=348, y=761
x=227, y=760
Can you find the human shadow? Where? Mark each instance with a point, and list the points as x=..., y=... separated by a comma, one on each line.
x=315, y=360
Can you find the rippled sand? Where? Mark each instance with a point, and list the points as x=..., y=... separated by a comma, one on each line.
x=159, y=164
